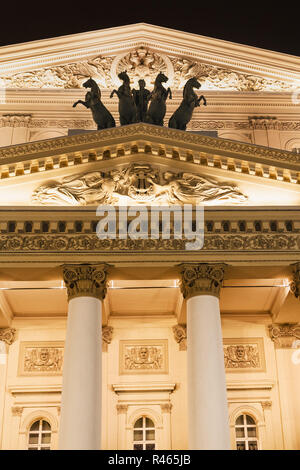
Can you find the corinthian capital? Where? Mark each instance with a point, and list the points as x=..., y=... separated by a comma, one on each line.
x=295, y=284
x=201, y=279
x=85, y=280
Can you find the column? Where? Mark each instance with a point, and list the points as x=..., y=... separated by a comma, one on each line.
x=7, y=337
x=207, y=398
x=80, y=425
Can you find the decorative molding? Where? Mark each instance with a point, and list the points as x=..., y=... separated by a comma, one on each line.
x=16, y=120
x=284, y=335
x=201, y=279
x=107, y=332
x=244, y=355
x=41, y=358
x=180, y=336
x=7, y=335
x=142, y=61
x=104, y=137
x=143, y=357
x=73, y=243
x=86, y=280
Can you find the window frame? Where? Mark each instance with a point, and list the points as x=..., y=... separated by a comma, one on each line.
x=40, y=433
x=144, y=428
x=245, y=426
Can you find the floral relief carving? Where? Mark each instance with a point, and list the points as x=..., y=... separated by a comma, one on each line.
x=285, y=335
x=212, y=77
x=56, y=243
x=62, y=76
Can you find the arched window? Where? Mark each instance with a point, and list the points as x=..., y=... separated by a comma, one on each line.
x=246, y=433
x=39, y=437
x=144, y=434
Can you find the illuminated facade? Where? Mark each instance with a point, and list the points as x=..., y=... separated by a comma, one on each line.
x=233, y=380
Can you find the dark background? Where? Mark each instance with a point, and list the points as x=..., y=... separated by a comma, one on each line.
x=274, y=26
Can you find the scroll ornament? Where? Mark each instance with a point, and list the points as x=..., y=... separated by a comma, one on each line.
x=85, y=280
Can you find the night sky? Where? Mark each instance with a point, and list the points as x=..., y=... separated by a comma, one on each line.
x=260, y=24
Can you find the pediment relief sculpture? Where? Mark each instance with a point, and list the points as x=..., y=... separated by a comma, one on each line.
x=142, y=63
x=136, y=183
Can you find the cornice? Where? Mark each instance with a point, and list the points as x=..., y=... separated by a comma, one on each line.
x=111, y=41
x=147, y=139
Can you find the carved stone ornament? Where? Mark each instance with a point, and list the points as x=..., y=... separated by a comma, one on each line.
x=17, y=410
x=201, y=279
x=244, y=354
x=285, y=335
x=85, y=280
x=121, y=408
x=266, y=405
x=180, y=336
x=143, y=357
x=41, y=358
x=7, y=335
x=62, y=76
x=142, y=63
x=166, y=407
x=213, y=78
x=138, y=183
x=295, y=284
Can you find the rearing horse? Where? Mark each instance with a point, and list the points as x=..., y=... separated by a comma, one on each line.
x=101, y=115
x=157, y=108
x=127, y=108
x=182, y=116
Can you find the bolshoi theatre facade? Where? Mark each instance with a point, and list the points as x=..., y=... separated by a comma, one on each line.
x=146, y=342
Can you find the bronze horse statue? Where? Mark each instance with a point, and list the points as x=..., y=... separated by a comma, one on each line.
x=127, y=107
x=182, y=116
x=101, y=115
x=157, y=108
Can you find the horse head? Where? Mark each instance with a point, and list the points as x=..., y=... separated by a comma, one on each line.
x=124, y=76
x=161, y=77
x=89, y=83
x=193, y=83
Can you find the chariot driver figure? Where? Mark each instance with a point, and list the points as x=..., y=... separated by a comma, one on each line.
x=141, y=98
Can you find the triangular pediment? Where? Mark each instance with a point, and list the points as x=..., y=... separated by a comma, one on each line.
x=166, y=160
x=143, y=49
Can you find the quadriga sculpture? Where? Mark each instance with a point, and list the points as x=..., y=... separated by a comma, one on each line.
x=157, y=107
x=101, y=115
x=127, y=107
x=182, y=116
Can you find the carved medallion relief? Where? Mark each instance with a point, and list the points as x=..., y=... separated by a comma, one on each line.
x=244, y=355
x=43, y=358
x=143, y=357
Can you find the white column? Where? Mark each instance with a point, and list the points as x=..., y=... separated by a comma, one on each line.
x=207, y=397
x=80, y=425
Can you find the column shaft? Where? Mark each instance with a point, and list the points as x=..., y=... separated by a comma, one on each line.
x=80, y=426
x=207, y=399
